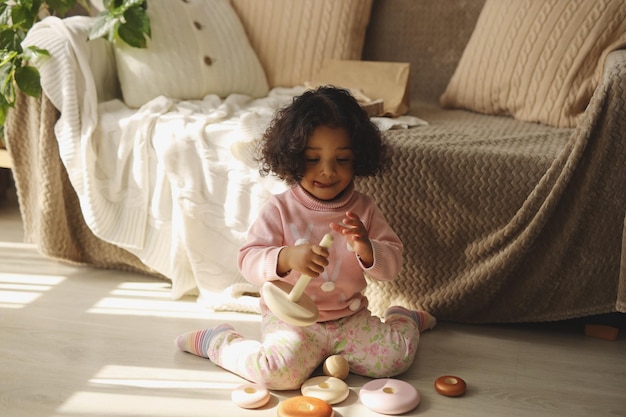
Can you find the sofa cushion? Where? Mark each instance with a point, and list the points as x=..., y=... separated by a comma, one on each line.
x=197, y=48
x=537, y=60
x=293, y=38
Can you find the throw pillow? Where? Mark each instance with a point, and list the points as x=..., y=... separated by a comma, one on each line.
x=198, y=47
x=293, y=38
x=537, y=60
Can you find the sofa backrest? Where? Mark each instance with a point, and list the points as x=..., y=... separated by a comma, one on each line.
x=429, y=34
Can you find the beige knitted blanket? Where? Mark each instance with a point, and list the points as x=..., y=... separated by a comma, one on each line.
x=502, y=221
x=507, y=222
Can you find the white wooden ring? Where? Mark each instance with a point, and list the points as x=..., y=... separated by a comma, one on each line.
x=250, y=395
x=304, y=312
x=389, y=396
x=328, y=388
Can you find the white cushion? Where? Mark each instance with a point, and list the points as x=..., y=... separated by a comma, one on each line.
x=198, y=47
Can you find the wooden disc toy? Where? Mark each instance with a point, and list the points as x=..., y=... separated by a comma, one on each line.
x=250, y=396
x=389, y=396
x=328, y=388
x=303, y=406
x=450, y=386
x=290, y=303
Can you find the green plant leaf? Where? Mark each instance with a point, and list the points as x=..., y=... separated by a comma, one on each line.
x=136, y=27
x=125, y=4
x=34, y=55
x=104, y=26
x=7, y=90
x=34, y=52
x=125, y=20
x=61, y=6
x=9, y=58
x=23, y=16
x=16, y=18
x=28, y=80
x=5, y=14
x=29, y=4
x=10, y=40
x=4, y=109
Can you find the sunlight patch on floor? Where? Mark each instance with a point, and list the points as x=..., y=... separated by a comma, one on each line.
x=85, y=404
x=178, y=392
x=18, y=290
x=165, y=378
x=143, y=289
x=154, y=299
x=17, y=245
x=144, y=299
x=145, y=307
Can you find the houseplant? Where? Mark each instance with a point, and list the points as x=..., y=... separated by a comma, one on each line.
x=120, y=19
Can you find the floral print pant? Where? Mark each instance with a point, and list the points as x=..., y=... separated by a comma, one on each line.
x=288, y=355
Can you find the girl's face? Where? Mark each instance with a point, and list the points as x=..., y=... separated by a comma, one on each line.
x=329, y=166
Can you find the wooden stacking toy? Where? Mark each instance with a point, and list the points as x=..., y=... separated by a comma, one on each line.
x=250, y=395
x=290, y=303
x=450, y=386
x=328, y=388
x=389, y=396
x=303, y=406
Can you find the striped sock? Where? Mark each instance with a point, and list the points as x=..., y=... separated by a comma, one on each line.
x=424, y=319
x=198, y=341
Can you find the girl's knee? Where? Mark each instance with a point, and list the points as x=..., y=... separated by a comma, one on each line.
x=288, y=373
x=282, y=381
x=387, y=366
x=393, y=370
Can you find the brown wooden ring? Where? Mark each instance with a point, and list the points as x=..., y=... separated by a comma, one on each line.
x=450, y=386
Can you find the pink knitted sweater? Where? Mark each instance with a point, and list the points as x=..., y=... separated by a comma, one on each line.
x=295, y=216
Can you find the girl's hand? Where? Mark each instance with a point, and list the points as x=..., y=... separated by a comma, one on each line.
x=356, y=234
x=306, y=258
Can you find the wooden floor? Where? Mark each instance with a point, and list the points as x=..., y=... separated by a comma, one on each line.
x=79, y=342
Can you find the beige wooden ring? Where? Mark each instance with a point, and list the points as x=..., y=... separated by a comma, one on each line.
x=289, y=303
x=450, y=386
x=303, y=406
x=250, y=396
x=302, y=313
x=328, y=388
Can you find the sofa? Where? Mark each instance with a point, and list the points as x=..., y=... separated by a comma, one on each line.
x=509, y=198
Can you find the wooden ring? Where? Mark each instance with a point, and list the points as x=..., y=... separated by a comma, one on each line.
x=389, y=396
x=328, y=388
x=450, y=386
x=303, y=406
x=302, y=313
x=250, y=396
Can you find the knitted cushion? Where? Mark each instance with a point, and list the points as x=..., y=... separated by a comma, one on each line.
x=537, y=60
x=198, y=47
x=293, y=38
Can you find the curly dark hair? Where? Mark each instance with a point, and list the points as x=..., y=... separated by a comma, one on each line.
x=284, y=142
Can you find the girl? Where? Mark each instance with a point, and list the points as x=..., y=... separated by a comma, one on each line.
x=318, y=145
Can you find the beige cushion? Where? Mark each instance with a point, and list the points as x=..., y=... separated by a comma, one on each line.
x=198, y=47
x=293, y=38
x=537, y=60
